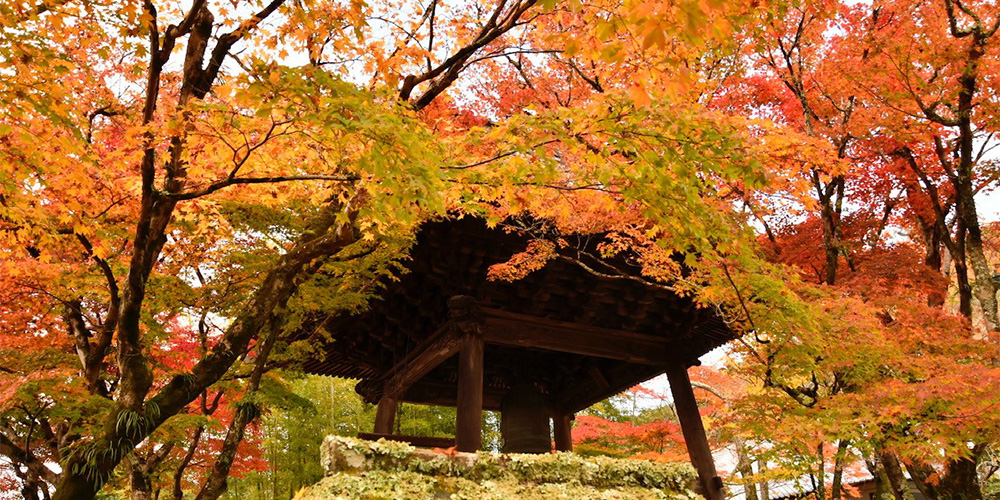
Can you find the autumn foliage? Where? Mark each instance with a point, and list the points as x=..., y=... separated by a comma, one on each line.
x=183, y=186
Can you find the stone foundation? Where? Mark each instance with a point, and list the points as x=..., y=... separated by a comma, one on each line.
x=382, y=469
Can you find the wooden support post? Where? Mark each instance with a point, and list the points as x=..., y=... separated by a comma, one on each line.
x=466, y=318
x=385, y=415
x=561, y=428
x=469, y=425
x=694, y=432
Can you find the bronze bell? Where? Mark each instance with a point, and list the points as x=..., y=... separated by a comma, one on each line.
x=524, y=420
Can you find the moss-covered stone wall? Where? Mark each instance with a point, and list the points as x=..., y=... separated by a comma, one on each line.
x=358, y=469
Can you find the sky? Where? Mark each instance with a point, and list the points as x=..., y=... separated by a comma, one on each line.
x=988, y=206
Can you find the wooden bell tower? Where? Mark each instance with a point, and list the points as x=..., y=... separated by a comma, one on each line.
x=538, y=349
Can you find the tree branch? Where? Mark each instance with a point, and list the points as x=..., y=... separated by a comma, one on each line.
x=190, y=195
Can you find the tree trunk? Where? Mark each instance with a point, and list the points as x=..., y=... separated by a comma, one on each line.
x=964, y=285
x=31, y=485
x=82, y=486
x=178, y=492
x=246, y=412
x=985, y=287
x=963, y=178
x=216, y=484
x=820, y=486
x=898, y=484
x=837, y=486
x=830, y=246
x=922, y=474
x=765, y=493
x=932, y=258
x=83, y=476
x=961, y=482
x=140, y=485
x=881, y=480
x=745, y=467
x=830, y=199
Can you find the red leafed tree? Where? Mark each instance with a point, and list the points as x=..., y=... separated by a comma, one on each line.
x=647, y=433
x=182, y=455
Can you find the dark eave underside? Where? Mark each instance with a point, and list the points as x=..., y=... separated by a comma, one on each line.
x=583, y=337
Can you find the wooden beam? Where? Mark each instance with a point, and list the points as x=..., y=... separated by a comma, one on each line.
x=562, y=431
x=694, y=432
x=587, y=393
x=418, y=441
x=443, y=344
x=438, y=393
x=469, y=418
x=600, y=381
x=385, y=415
x=521, y=330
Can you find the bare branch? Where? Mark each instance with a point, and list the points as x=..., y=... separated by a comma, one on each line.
x=15, y=453
x=441, y=77
x=190, y=195
x=498, y=157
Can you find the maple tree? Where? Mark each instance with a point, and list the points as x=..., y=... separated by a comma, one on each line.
x=184, y=186
x=145, y=165
x=933, y=85
x=163, y=164
x=862, y=78
x=649, y=432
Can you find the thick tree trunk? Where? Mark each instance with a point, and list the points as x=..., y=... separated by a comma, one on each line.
x=78, y=486
x=986, y=291
x=964, y=286
x=32, y=487
x=29, y=491
x=961, y=481
x=85, y=476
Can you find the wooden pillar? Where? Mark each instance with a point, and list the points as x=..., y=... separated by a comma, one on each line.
x=465, y=316
x=385, y=416
x=469, y=418
x=561, y=428
x=694, y=432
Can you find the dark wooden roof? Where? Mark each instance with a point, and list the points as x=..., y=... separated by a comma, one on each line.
x=580, y=336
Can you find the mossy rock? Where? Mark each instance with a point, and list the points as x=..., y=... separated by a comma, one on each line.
x=358, y=469
x=382, y=485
